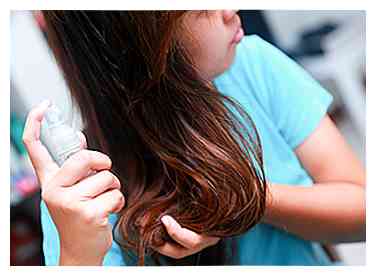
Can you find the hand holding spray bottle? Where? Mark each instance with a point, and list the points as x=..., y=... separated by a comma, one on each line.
x=80, y=195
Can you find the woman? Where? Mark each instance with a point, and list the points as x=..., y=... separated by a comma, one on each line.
x=151, y=88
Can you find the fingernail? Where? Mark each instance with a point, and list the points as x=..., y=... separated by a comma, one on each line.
x=165, y=220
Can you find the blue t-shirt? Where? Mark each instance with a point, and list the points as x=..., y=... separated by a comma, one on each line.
x=286, y=105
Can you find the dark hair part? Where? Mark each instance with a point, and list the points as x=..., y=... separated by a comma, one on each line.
x=175, y=145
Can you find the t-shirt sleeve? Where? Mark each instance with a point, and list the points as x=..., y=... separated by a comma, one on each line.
x=51, y=242
x=296, y=101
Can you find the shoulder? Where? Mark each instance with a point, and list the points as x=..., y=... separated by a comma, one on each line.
x=268, y=77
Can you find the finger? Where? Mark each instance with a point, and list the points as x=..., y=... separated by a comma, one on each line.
x=109, y=202
x=175, y=251
x=83, y=145
x=96, y=184
x=41, y=159
x=79, y=165
x=82, y=139
x=186, y=237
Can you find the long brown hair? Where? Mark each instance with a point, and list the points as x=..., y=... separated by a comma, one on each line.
x=177, y=144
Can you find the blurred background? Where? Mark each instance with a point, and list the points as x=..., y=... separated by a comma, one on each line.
x=330, y=45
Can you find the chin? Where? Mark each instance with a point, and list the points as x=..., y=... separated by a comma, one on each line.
x=232, y=57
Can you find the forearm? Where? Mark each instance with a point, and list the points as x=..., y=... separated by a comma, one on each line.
x=329, y=213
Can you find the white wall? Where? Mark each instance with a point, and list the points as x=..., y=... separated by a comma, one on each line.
x=33, y=69
x=286, y=25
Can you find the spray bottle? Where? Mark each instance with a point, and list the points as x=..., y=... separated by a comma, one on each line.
x=63, y=139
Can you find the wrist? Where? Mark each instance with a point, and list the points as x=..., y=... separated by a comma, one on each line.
x=67, y=258
x=269, y=202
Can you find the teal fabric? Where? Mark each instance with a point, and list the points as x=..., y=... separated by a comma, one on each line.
x=286, y=105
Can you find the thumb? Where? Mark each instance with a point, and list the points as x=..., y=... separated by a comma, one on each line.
x=43, y=163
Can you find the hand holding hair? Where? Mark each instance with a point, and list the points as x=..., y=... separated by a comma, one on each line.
x=188, y=241
x=79, y=203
